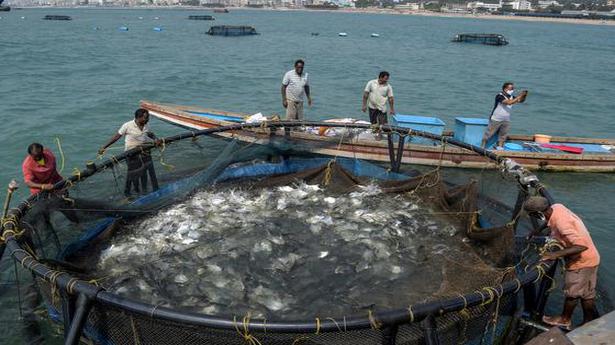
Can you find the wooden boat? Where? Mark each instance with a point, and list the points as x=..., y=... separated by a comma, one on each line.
x=598, y=154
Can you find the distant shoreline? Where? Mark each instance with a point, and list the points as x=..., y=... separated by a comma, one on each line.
x=359, y=10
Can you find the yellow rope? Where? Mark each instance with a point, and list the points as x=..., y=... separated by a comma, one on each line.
x=167, y=166
x=134, y=331
x=71, y=285
x=61, y=154
x=299, y=339
x=328, y=173
x=372, y=320
x=335, y=322
x=246, y=332
x=77, y=172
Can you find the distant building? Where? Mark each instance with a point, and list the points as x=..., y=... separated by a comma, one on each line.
x=408, y=6
x=520, y=5
x=547, y=3
x=477, y=5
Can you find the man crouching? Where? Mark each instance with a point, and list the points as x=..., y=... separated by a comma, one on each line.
x=581, y=256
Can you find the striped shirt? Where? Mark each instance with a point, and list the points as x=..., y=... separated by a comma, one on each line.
x=295, y=85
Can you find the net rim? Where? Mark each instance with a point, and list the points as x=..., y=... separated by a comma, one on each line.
x=414, y=313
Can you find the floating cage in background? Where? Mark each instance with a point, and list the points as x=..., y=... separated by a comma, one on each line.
x=51, y=234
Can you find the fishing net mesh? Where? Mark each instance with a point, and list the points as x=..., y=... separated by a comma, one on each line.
x=63, y=229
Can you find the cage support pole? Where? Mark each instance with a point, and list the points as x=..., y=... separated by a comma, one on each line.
x=400, y=151
x=389, y=334
x=521, y=196
x=430, y=330
x=395, y=157
x=543, y=290
x=68, y=308
x=83, y=307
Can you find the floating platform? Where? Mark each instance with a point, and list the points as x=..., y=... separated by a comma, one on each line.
x=56, y=17
x=487, y=39
x=232, y=30
x=201, y=17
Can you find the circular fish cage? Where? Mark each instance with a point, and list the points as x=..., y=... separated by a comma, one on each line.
x=63, y=237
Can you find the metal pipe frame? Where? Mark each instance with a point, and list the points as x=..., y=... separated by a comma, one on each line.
x=390, y=318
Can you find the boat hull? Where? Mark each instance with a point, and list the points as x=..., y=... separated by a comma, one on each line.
x=374, y=150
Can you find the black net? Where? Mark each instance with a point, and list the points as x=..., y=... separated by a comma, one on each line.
x=274, y=233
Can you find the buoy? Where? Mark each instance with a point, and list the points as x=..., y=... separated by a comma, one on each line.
x=123, y=28
x=140, y=18
x=342, y=34
x=23, y=17
x=156, y=18
x=375, y=35
x=315, y=34
x=157, y=29
x=96, y=28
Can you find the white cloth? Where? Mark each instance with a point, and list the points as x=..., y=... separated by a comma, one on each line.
x=133, y=135
x=378, y=95
x=256, y=118
x=295, y=85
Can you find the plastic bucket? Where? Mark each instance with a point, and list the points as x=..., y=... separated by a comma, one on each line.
x=542, y=138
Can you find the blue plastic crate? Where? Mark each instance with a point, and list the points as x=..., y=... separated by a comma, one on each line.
x=420, y=123
x=470, y=130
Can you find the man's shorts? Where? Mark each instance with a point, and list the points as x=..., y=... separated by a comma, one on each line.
x=294, y=110
x=581, y=283
x=377, y=117
x=500, y=128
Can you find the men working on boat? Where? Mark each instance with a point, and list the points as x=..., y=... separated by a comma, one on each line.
x=40, y=174
x=39, y=169
x=295, y=87
x=582, y=259
x=137, y=132
x=499, y=121
x=375, y=97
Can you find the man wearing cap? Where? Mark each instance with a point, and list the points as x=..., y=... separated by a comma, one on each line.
x=582, y=259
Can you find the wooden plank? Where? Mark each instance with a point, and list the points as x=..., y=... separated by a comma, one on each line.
x=553, y=336
x=599, y=331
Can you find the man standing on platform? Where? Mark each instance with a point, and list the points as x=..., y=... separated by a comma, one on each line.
x=295, y=87
x=137, y=132
x=582, y=259
x=375, y=97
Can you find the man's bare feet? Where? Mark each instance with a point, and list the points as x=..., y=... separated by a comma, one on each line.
x=557, y=321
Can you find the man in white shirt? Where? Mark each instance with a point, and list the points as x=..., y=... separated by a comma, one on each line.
x=499, y=121
x=295, y=87
x=137, y=133
x=375, y=97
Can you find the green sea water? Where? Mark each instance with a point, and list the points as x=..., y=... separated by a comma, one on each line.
x=70, y=81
